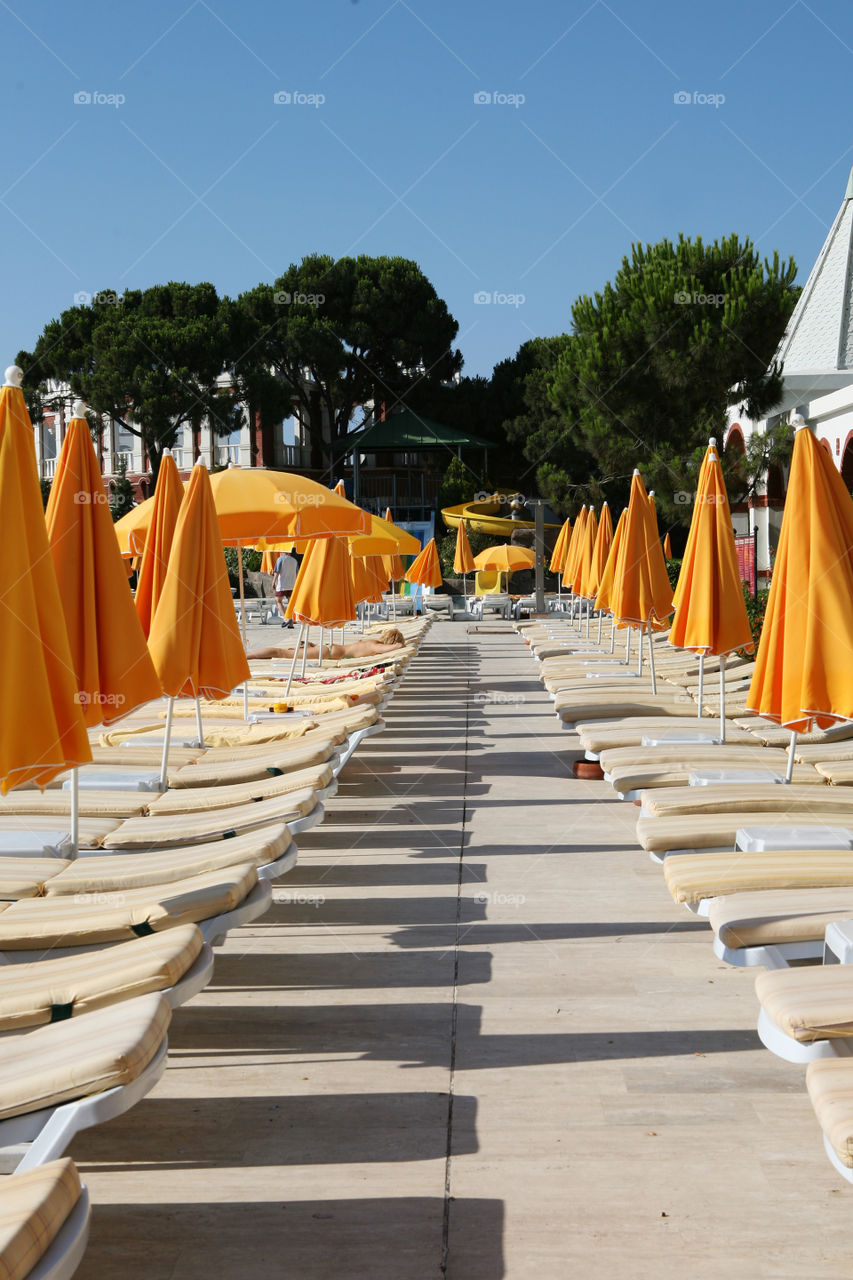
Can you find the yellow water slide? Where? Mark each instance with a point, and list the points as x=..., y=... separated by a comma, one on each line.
x=484, y=516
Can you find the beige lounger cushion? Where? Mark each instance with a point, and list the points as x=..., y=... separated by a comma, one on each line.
x=293, y=728
x=189, y=800
x=598, y=735
x=692, y=877
x=52, y=990
x=33, y=1207
x=50, y=1065
x=823, y=752
x=725, y=755
x=809, y=1004
x=636, y=777
x=757, y=798
x=26, y=877
x=57, y=804
x=233, y=709
x=281, y=760
x=92, y=830
x=115, y=873
x=838, y=772
x=35, y=923
x=774, y=917
x=616, y=704
x=714, y=830
x=218, y=824
x=830, y=1085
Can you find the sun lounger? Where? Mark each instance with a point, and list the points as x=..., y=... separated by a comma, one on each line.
x=58, y=1079
x=618, y=703
x=44, y=1222
x=189, y=800
x=26, y=877
x=177, y=962
x=830, y=1086
x=774, y=927
x=299, y=809
x=604, y=734
x=695, y=879
x=702, y=831
x=628, y=779
x=806, y=1013
x=675, y=801
x=216, y=901
x=12, y=826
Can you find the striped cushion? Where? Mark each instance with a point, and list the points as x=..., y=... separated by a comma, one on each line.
x=757, y=797
x=219, y=824
x=50, y=1065
x=35, y=923
x=193, y=799
x=690, y=877
x=92, y=830
x=119, y=872
x=292, y=729
x=93, y=804
x=598, y=735
x=830, y=1085
x=775, y=917
x=26, y=877
x=213, y=773
x=52, y=990
x=712, y=830
x=809, y=1004
x=33, y=1207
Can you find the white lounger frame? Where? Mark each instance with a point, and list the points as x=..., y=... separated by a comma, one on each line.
x=64, y=1255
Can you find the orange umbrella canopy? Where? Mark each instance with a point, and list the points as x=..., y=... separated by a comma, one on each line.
x=340, y=489
x=253, y=503
x=168, y=496
x=600, y=552
x=194, y=639
x=561, y=546
x=710, y=612
x=583, y=562
x=41, y=728
x=463, y=561
x=604, y=595
x=804, y=665
x=426, y=569
x=667, y=547
x=642, y=595
x=108, y=651
x=323, y=591
x=574, y=548
x=506, y=558
x=368, y=584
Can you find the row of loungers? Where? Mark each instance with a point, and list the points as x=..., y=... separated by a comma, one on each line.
x=769, y=866
x=97, y=951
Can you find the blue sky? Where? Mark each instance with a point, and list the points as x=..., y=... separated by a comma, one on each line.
x=182, y=165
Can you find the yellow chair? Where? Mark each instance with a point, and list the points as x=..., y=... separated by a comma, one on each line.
x=488, y=582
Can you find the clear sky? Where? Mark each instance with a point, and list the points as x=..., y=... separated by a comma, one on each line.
x=514, y=148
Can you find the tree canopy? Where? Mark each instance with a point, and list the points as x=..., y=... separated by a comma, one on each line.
x=347, y=332
x=684, y=330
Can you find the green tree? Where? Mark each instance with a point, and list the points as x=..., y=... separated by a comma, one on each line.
x=152, y=360
x=121, y=499
x=350, y=332
x=684, y=330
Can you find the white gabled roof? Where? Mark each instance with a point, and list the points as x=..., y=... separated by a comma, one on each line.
x=817, y=346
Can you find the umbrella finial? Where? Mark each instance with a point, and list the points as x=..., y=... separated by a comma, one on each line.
x=651, y=493
x=798, y=422
x=166, y=453
x=14, y=376
x=636, y=471
x=712, y=443
x=78, y=409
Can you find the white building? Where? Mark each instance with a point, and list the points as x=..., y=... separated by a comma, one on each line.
x=816, y=352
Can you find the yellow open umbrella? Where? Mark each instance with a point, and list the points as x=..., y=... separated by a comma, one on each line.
x=710, y=612
x=642, y=596
x=426, y=569
x=110, y=657
x=41, y=727
x=506, y=558
x=160, y=531
x=254, y=503
x=804, y=666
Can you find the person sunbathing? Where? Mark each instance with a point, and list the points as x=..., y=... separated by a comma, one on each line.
x=386, y=642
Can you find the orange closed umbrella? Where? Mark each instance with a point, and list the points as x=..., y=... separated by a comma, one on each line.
x=642, y=596
x=168, y=496
x=574, y=548
x=604, y=596
x=803, y=669
x=109, y=655
x=561, y=546
x=340, y=489
x=583, y=563
x=426, y=569
x=41, y=728
x=600, y=552
x=367, y=584
x=710, y=612
x=463, y=560
x=323, y=592
x=667, y=547
x=194, y=639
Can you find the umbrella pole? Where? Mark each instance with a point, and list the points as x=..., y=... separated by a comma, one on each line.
x=243, y=628
x=651, y=659
x=293, y=660
x=165, y=760
x=612, y=634
x=320, y=650
x=627, y=645
x=75, y=814
x=588, y=615
x=640, y=662
x=701, y=684
x=723, y=698
x=198, y=723
x=600, y=620
x=305, y=647
x=789, y=773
